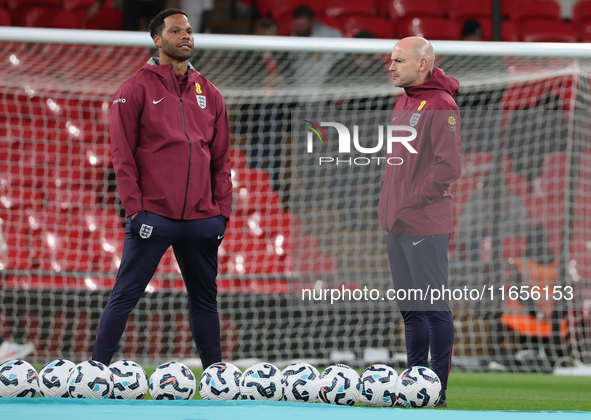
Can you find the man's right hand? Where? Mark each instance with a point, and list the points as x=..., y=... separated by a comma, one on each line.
x=134, y=214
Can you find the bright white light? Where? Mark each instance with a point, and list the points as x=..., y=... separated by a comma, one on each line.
x=90, y=284
x=53, y=106
x=73, y=129
x=6, y=203
x=149, y=289
x=93, y=160
x=108, y=247
x=15, y=61
x=51, y=241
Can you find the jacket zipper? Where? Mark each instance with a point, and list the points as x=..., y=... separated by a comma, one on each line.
x=188, y=138
x=390, y=179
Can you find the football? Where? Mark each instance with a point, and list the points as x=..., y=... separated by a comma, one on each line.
x=377, y=386
x=338, y=385
x=418, y=387
x=172, y=381
x=90, y=379
x=53, y=379
x=220, y=381
x=130, y=381
x=300, y=383
x=261, y=381
x=18, y=379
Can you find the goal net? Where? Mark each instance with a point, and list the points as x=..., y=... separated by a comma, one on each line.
x=303, y=270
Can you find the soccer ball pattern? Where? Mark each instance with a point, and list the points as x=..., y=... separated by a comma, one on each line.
x=338, y=385
x=91, y=379
x=300, y=383
x=18, y=379
x=418, y=387
x=377, y=386
x=130, y=381
x=220, y=381
x=172, y=381
x=53, y=379
x=261, y=381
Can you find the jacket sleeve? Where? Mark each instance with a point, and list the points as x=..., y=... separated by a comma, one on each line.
x=221, y=178
x=124, y=131
x=447, y=151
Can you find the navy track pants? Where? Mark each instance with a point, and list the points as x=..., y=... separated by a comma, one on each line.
x=195, y=244
x=420, y=262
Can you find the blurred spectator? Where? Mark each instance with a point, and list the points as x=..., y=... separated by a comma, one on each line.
x=472, y=31
x=265, y=120
x=534, y=133
x=304, y=24
x=10, y=350
x=364, y=72
x=199, y=13
x=475, y=223
x=311, y=68
x=133, y=12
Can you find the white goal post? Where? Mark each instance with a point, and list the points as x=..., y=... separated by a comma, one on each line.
x=522, y=229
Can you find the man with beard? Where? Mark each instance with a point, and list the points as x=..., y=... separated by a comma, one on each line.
x=170, y=142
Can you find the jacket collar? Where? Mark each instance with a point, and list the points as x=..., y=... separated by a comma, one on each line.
x=154, y=65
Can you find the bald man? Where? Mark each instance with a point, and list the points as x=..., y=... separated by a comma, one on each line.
x=415, y=204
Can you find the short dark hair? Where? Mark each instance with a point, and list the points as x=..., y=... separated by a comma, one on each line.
x=364, y=34
x=157, y=24
x=471, y=27
x=303, y=11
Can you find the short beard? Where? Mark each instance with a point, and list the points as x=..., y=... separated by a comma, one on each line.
x=173, y=52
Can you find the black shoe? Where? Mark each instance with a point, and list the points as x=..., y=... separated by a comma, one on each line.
x=441, y=403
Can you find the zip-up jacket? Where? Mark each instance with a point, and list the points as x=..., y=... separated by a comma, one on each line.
x=415, y=191
x=171, y=149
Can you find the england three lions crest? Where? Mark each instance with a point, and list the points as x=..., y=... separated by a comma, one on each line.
x=146, y=231
x=414, y=119
x=201, y=101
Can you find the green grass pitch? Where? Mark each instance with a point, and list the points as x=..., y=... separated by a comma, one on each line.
x=503, y=391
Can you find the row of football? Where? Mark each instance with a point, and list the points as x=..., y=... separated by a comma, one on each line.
x=378, y=385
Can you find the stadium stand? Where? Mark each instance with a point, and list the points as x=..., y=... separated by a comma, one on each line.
x=523, y=20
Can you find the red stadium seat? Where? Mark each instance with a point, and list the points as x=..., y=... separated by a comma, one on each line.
x=581, y=15
x=508, y=30
x=4, y=18
x=349, y=7
x=44, y=17
x=252, y=189
x=584, y=32
x=237, y=159
x=401, y=9
x=468, y=9
x=15, y=4
x=379, y=26
x=430, y=28
x=107, y=18
x=540, y=30
x=535, y=9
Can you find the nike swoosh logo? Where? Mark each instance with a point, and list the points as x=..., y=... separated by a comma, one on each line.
x=394, y=118
x=220, y=237
x=155, y=102
x=416, y=243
